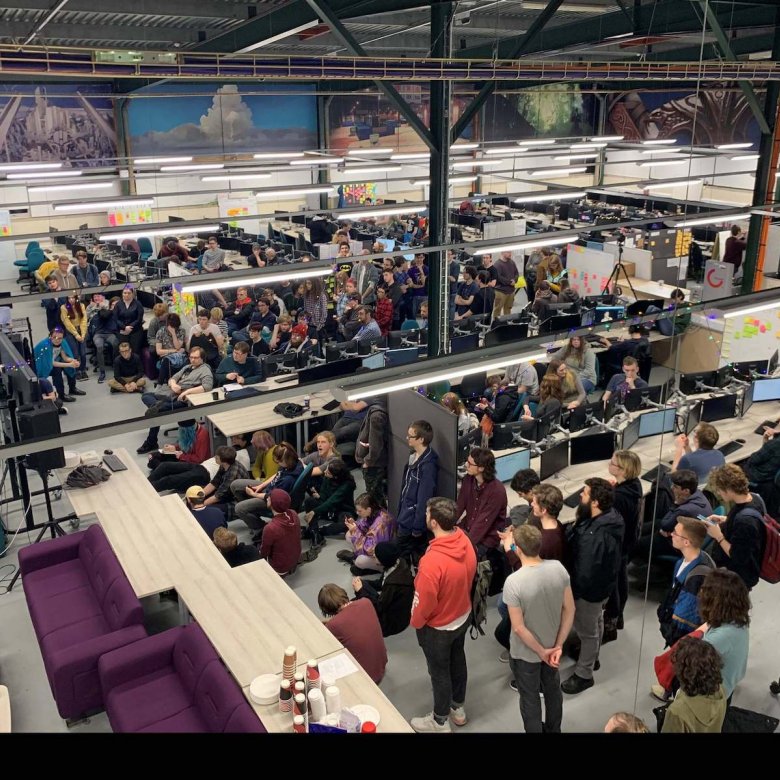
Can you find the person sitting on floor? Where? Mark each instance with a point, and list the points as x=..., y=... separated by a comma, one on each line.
x=356, y=625
x=372, y=526
x=218, y=490
x=129, y=374
x=54, y=359
x=331, y=504
x=393, y=593
x=281, y=545
x=209, y=517
x=235, y=554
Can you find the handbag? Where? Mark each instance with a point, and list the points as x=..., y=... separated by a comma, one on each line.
x=289, y=410
x=662, y=664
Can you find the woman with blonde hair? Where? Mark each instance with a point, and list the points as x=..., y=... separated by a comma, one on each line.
x=264, y=465
x=322, y=449
x=555, y=272
x=74, y=318
x=573, y=391
x=466, y=420
x=579, y=357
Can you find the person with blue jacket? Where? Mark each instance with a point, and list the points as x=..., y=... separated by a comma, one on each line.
x=418, y=485
x=53, y=358
x=87, y=274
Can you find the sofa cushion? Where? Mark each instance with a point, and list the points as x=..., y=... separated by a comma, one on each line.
x=121, y=607
x=244, y=720
x=192, y=654
x=54, y=580
x=61, y=610
x=187, y=721
x=217, y=696
x=141, y=703
x=93, y=544
x=103, y=569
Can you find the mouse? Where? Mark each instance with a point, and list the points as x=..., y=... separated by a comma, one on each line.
x=739, y=441
x=108, y=452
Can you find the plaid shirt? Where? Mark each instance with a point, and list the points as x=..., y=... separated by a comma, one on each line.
x=223, y=480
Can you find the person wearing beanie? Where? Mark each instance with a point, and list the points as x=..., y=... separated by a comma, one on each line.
x=281, y=543
x=298, y=342
x=393, y=593
x=209, y=517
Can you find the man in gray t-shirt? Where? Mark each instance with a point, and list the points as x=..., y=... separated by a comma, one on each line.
x=525, y=377
x=541, y=609
x=213, y=257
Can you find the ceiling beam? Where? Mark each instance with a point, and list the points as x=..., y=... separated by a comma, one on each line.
x=15, y=31
x=175, y=8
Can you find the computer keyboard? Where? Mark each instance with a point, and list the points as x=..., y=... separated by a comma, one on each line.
x=730, y=447
x=280, y=380
x=573, y=501
x=114, y=463
x=766, y=424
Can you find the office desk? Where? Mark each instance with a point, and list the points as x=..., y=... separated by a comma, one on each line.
x=250, y=616
x=648, y=290
x=272, y=383
x=355, y=688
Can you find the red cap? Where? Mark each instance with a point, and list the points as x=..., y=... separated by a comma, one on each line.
x=368, y=728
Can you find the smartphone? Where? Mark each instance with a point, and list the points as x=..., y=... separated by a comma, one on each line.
x=705, y=520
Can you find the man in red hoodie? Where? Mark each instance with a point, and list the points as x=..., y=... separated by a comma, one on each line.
x=440, y=613
x=281, y=545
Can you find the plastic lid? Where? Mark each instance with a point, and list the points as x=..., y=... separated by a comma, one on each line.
x=368, y=728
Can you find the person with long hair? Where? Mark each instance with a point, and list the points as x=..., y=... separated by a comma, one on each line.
x=322, y=450
x=555, y=272
x=372, y=526
x=467, y=421
x=580, y=358
x=170, y=344
x=550, y=397
x=315, y=307
x=264, y=465
x=74, y=318
x=331, y=504
x=573, y=391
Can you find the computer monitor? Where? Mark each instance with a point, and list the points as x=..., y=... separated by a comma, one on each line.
x=599, y=300
x=750, y=367
x=21, y=383
x=506, y=334
x=688, y=382
x=504, y=435
x=508, y=465
x=772, y=363
x=468, y=343
x=374, y=361
x=589, y=447
x=387, y=243
x=614, y=312
x=553, y=460
x=405, y=338
x=401, y=357
x=172, y=218
x=630, y=434
x=329, y=370
x=639, y=308
x=466, y=443
x=560, y=323
x=722, y=407
x=634, y=399
x=693, y=418
x=723, y=376
x=766, y=390
x=341, y=350
x=657, y=422
x=585, y=415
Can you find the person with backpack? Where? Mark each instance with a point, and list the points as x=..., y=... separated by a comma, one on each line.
x=739, y=536
x=541, y=610
x=441, y=613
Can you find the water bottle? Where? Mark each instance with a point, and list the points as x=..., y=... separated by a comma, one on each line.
x=306, y=402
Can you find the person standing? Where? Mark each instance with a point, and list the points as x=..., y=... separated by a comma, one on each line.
x=541, y=609
x=735, y=248
x=371, y=450
x=440, y=614
x=596, y=541
x=482, y=501
x=506, y=279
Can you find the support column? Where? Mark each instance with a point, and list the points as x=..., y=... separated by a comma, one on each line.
x=438, y=212
x=323, y=174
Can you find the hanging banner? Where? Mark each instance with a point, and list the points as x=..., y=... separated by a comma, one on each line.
x=130, y=215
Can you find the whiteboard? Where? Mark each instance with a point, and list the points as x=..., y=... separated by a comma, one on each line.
x=506, y=229
x=752, y=336
x=588, y=269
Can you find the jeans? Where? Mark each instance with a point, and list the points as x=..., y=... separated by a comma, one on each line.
x=589, y=626
x=100, y=340
x=410, y=547
x=529, y=676
x=150, y=399
x=79, y=350
x=250, y=510
x=57, y=381
x=446, y=657
x=588, y=386
x=174, y=475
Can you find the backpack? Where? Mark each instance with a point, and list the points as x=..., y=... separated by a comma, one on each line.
x=665, y=611
x=87, y=476
x=770, y=560
x=479, y=596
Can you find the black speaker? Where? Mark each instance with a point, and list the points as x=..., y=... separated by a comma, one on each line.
x=37, y=422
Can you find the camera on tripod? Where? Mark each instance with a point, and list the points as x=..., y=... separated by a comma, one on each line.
x=621, y=239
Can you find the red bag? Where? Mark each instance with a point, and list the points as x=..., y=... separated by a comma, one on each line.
x=662, y=664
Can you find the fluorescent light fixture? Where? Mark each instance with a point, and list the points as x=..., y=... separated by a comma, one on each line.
x=661, y=151
x=103, y=204
x=714, y=219
x=400, y=209
x=478, y=163
x=160, y=160
x=277, y=155
x=29, y=167
x=372, y=169
x=411, y=156
x=452, y=180
x=280, y=36
x=558, y=171
x=663, y=184
x=745, y=157
x=194, y=167
x=97, y=185
x=281, y=194
x=439, y=376
x=540, y=142
x=607, y=138
x=272, y=279
x=750, y=310
x=45, y=175
x=660, y=142
x=550, y=196
x=367, y=152
x=661, y=163
x=537, y=242
x=616, y=37
x=463, y=147
x=236, y=177
x=140, y=231
x=507, y=150
x=589, y=145
x=323, y=160
x=570, y=157
x=746, y=145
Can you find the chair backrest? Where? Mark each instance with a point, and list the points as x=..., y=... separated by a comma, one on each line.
x=541, y=370
x=299, y=488
x=145, y=245
x=192, y=653
x=473, y=385
x=31, y=247
x=131, y=245
x=121, y=607
x=217, y=696
x=35, y=259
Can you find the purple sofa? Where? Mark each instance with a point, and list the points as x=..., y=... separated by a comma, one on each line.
x=173, y=682
x=81, y=605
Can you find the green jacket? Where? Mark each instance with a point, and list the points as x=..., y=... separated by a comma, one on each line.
x=695, y=714
x=335, y=499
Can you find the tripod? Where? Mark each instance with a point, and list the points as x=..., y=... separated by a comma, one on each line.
x=52, y=524
x=614, y=277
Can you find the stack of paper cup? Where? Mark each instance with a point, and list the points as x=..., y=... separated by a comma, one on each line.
x=312, y=675
x=333, y=699
x=299, y=725
x=290, y=663
x=317, y=704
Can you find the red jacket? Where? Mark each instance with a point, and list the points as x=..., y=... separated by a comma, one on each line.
x=281, y=544
x=442, y=587
x=384, y=315
x=201, y=450
x=485, y=509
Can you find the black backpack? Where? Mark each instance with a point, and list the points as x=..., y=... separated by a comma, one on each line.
x=479, y=596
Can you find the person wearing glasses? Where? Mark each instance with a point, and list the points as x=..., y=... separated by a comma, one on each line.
x=417, y=486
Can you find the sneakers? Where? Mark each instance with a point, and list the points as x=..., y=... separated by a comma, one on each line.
x=458, y=716
x=76, y=391
x=101, y=377
x=356, y=571
x=429, y=725
x=504, y=657
x=62, y=410
x=147, y=446
x=346, y=555
x=576, y=684
x=659, y=692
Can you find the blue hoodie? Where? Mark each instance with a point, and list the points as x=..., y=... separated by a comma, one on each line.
x=418, y=485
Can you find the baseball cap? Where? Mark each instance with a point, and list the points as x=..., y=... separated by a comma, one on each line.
x=195, y=492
